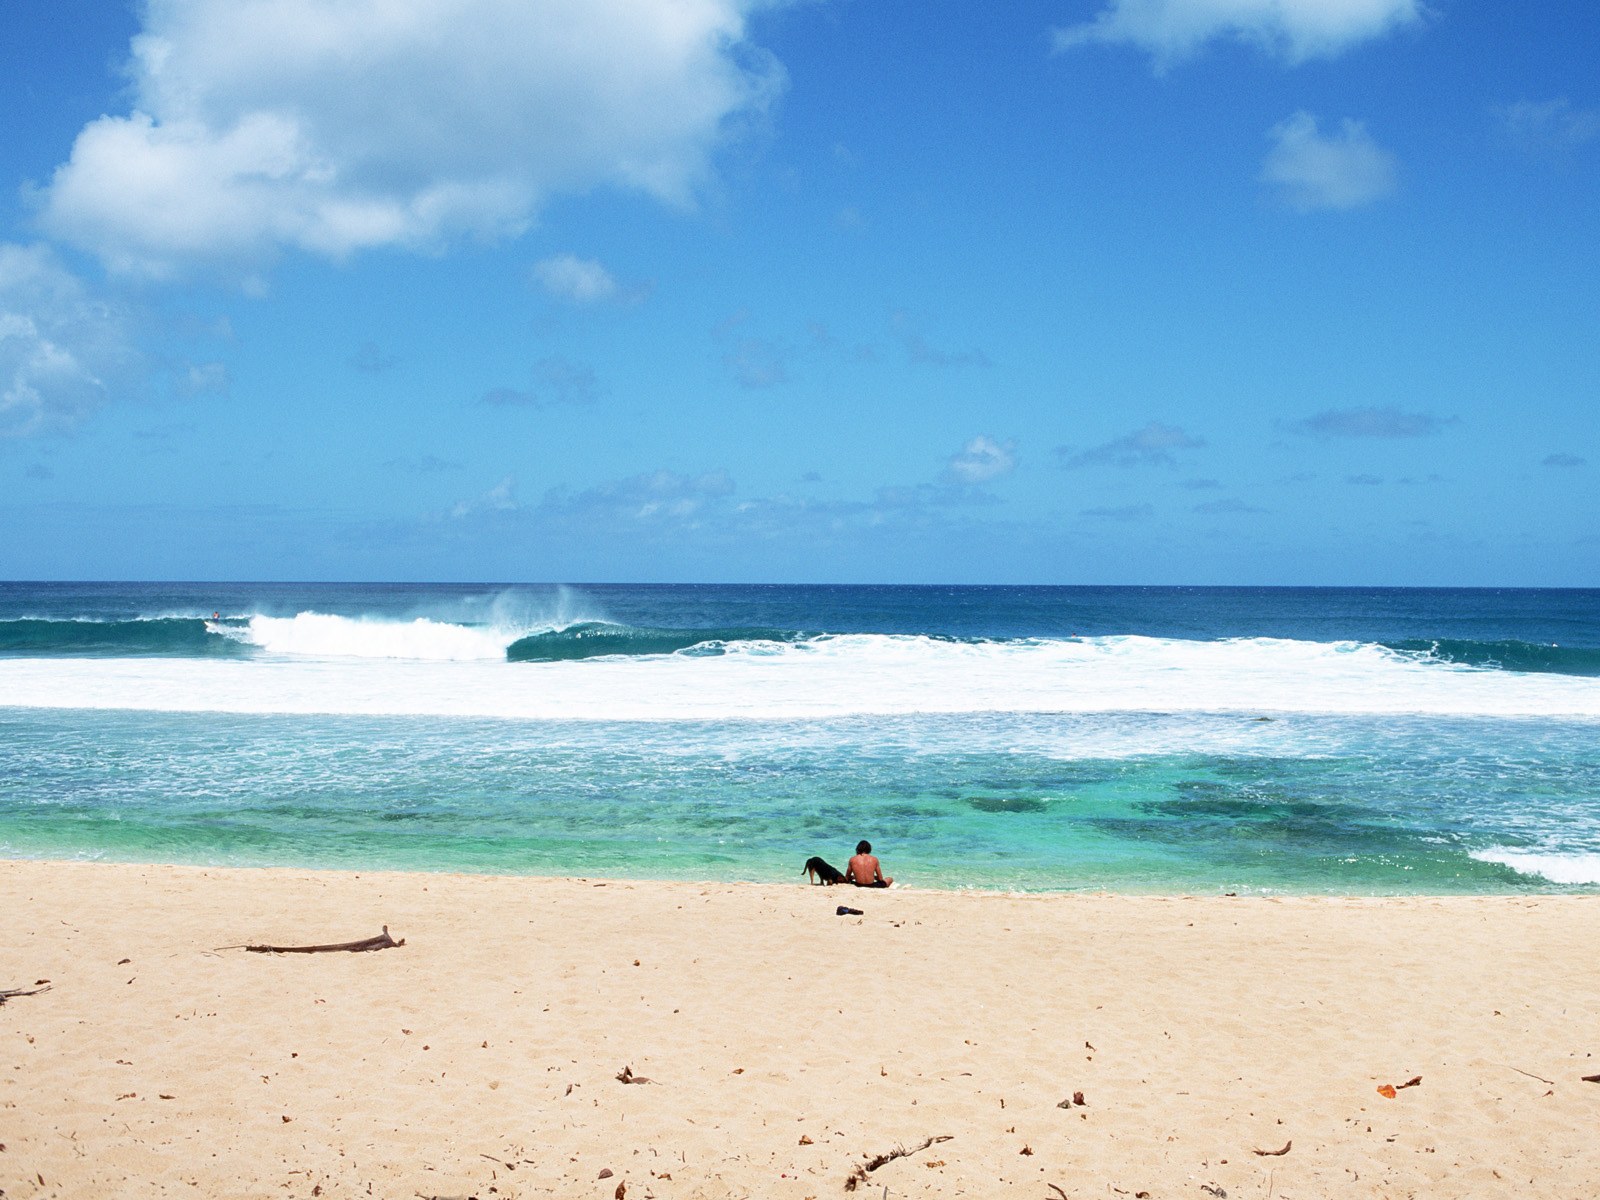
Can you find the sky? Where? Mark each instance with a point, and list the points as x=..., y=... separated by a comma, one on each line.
x=1080, y=291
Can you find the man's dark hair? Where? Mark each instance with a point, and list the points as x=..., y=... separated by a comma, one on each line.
x=863, y=847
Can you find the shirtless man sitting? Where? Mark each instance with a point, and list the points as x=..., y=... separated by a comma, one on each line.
x=864, y=869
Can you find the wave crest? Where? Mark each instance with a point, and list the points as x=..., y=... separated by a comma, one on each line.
x=598, y=639
x=180, y=637
x=1505, y=655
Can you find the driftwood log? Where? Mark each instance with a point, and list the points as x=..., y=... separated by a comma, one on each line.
x=381, y=942
x=7, y=993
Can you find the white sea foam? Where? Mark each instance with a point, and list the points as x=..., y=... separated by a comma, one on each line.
x=320, y=635
x=430, y=668
x=1557, y=868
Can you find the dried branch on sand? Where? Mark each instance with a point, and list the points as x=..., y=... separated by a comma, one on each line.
x=7, y=993
x=859, y=1175
x=381, y=942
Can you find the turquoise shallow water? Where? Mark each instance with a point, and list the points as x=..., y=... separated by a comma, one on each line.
x=1297, y=804
x=1033, y=739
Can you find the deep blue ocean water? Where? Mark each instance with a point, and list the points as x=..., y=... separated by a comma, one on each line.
x=1137, y=739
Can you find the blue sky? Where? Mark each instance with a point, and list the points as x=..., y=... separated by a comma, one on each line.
x=1087, y=291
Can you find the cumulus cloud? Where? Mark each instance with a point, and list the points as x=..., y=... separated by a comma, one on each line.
x=1151, y=446
x=556, y=380
x=202, y=379
x=583, y=281
x=331, y=126
x=60, y=347
x=1293, y=30
x=980, y=460
x=1387, y=422
x=1341, y=171
x=1549, y=125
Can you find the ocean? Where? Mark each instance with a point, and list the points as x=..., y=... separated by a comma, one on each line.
x=1249, y=740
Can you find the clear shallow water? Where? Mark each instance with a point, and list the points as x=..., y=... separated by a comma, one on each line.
x=1042, y=738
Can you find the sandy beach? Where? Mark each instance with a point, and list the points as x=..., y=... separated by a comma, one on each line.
x=785, y=1046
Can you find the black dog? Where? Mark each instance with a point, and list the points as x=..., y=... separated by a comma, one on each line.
x=820, y=872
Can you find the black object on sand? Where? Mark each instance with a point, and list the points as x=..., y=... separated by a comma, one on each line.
x=846, y=911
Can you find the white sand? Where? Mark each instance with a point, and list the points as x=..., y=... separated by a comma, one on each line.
x=480, y=1058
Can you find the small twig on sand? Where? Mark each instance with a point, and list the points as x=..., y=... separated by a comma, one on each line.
x=1531, y=1075
x=626, y=1075
x=7, y=993
x=1056, y=1190
x=1276, y=1153
x=859, y=1175
x=381, y=942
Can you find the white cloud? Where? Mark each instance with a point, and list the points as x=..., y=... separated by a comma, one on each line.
x=60, y=347
x=502, y=497
x=580, y=280
x=1294, y=30
x=202, y=379
x=1342, y=171
x=335, y=125
x=981, y=460
x=1550, y=125
x=656, y=497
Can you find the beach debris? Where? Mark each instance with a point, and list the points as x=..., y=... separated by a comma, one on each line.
x=1531, y=1075
x=859, y=1175
x=622, y=1189
x=844, y=910
x=1386, y=1090
x=626, y=1075
x=1276, y=1153
x=1077, y=1098
x=605, y=1173
x=805, y=1139
x=7, y=993
x=381, y=941
x=1026, y=1150
x=1056, y=1190
x=1414, y=1081
x=1220, y=1193
x=1591, y=1078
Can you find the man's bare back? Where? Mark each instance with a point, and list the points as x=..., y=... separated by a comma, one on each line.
x=865, y=870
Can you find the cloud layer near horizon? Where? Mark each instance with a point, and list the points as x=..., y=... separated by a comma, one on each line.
x=261, y=125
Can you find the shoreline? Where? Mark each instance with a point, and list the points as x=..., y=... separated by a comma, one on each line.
x=1537, y=886
x=788, y=1045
